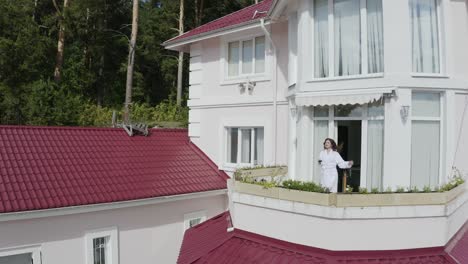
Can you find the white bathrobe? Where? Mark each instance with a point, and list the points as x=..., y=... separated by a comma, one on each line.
x=329, y=175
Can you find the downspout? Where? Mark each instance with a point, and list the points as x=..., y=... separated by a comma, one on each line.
x=275, y=90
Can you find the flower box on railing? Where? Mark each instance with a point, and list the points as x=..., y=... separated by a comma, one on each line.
x=351, y=200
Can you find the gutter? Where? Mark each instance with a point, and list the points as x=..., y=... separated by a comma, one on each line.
x=62, y=211
x=275, y=90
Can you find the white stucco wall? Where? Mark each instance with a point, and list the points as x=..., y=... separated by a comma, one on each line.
x=147, y=234
x=216, y=102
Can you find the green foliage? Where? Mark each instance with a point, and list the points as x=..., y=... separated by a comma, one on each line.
x=400, y=189
x=375, y=190
x=303, y=186
x=363, y=190
x=95, y=60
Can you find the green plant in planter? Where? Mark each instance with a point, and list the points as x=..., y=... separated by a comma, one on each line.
x=349, y=189
x=375, y=190
x=363, y=190
x=427, y=189
x=400, y=189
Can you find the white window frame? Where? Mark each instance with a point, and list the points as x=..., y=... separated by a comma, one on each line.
x=257, y=77
x=331, y=46
x=239, y=146
x=35, y=252
x=442, y=125
x=192, y=216
x=441, y=39
x=333, y=133
x=113, y=244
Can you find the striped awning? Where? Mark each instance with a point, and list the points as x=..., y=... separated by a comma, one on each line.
x=340, y=98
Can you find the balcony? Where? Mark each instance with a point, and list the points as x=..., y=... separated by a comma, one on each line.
x=334, y=221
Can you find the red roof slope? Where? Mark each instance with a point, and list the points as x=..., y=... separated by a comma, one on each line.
x=248, y=14
x=51, y=167
x=209, y=242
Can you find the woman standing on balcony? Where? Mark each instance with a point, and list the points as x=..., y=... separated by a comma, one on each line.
x=329, y=159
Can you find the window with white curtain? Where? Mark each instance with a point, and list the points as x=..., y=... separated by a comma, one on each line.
x=246, y=57
x=102, y=247
x=245, y=145
x=425, y=36
x=425, y=139
x=352, y=19
x=375, y=145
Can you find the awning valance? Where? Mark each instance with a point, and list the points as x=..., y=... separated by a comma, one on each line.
x=341, y=98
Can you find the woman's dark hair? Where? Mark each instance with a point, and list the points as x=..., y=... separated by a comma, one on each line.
x=332, y=142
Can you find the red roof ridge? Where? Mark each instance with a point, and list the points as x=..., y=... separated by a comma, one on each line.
x=233, y=14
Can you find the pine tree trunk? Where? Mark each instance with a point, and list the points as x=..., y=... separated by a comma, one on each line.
x=131, y=61
x=181, y=56
x=61, y=41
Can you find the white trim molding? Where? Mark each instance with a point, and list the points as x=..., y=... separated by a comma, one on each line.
x=106, y=206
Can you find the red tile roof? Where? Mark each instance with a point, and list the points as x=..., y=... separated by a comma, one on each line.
x=246, y=15
x=52, y=167
x=210, y=242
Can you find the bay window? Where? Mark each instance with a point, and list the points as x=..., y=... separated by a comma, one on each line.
x=355, y=45
x=246, y=57
x=425, y=139
x=425, y=36
x=245, y=146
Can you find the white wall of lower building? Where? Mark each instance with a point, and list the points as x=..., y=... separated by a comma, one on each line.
x=146, y=234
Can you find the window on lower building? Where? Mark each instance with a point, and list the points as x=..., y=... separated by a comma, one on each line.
x=101, y=247
x=193, y=219
x=21, y=256
x=246, y=57
x=245, y=145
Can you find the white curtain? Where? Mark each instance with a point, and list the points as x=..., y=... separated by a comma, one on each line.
x=259, y=145
x=259, y=54
x=425, y=36
x=375, y=144
x=375, y=36
x=347, y=37
x=320, y=134
x=233, y=59
x=425, y=153
x=247, y=56
x=245, y=145
x=321, y=38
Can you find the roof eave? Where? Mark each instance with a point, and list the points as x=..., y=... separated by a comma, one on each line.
x=277, y=8
x=181, y=45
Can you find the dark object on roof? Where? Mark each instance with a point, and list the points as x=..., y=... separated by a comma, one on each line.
x=52, y=167
x=243, y=16
x=210, y=242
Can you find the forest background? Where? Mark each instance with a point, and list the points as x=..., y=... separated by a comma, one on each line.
x=95, y=52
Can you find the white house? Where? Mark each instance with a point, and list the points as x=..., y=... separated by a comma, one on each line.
x=98, y=196
x=387, y=79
